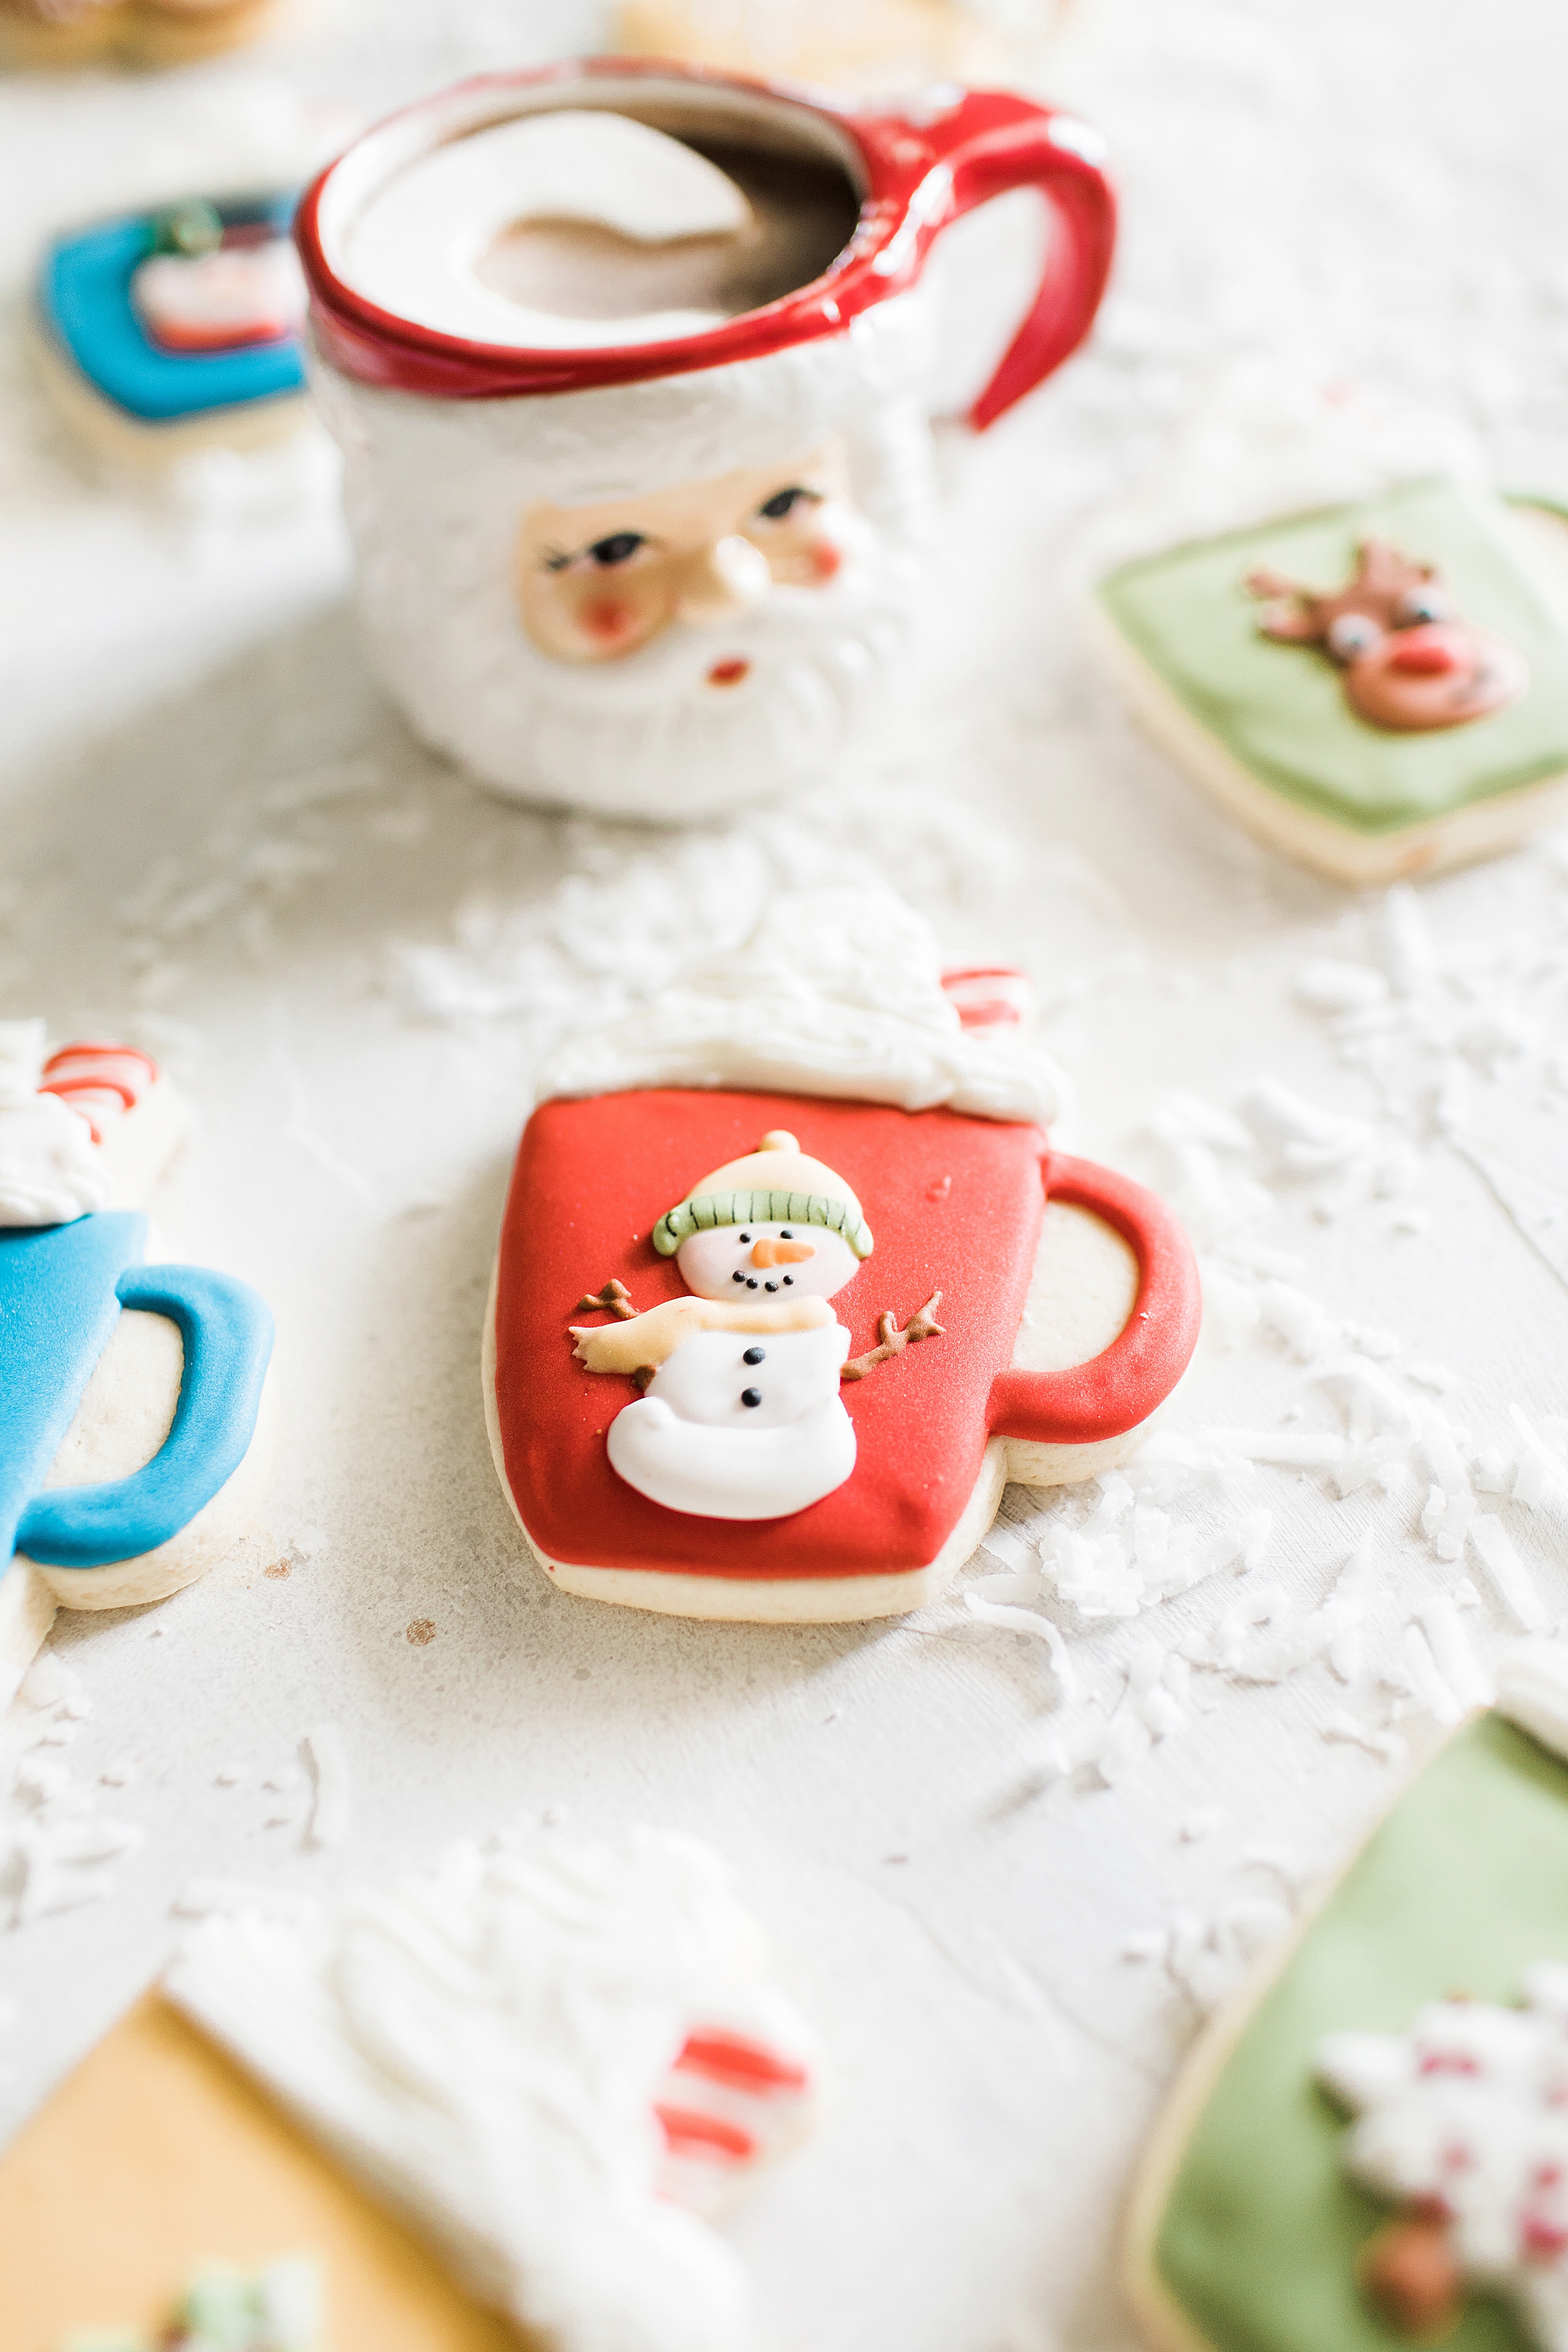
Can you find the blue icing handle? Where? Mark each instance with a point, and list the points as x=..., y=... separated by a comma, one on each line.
x=61, y=1291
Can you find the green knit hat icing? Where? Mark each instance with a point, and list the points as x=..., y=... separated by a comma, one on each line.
x=777, y=1184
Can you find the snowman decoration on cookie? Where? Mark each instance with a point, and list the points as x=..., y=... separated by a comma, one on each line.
x=740, y=1417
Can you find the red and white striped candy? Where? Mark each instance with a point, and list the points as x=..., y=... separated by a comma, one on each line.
x=101, y=1082
x=987, y=994
x=731, y=2101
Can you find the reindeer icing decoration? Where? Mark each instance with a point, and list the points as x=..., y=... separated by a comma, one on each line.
x=1410, y=663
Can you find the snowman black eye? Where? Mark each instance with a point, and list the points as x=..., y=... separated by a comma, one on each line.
x=751, y=1396
x=789, y=1279
x=753, y=1355
x=786, y=1235
x=744, y=1238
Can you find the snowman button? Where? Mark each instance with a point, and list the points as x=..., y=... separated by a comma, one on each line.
x=751, y=1396
x=753, y=1355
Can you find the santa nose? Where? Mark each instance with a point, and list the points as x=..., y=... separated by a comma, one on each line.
x=768, y=1252
x=1424, y=653
x=724, y=578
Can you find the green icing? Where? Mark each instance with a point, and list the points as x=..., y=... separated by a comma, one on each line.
x=1463, y=1887
x=704, y=1211
x=1279, y=709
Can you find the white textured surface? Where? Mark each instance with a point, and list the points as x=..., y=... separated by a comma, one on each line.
x=1003, y=1888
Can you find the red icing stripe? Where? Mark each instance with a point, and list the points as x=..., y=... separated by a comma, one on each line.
x=77, y=1073
x=127, y=1094
x=692, y=2133
x=744, y=2065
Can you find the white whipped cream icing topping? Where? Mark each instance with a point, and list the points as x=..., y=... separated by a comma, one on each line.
x=49, y=1170
x=415, y=247
x=1470, y=2107
x=484, y=2047
x=837, y=992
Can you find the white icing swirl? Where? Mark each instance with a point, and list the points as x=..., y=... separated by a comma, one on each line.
x=485, y=2048
x=837, y=992
x=49, y=1173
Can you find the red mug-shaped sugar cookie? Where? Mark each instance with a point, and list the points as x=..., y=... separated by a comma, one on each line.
x=624, y=359
x=795, y=1386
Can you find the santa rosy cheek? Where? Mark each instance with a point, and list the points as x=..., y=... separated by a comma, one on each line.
x=607, y=620
x=826, y=562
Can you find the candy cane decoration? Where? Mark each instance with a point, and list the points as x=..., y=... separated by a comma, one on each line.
x=103, y=1082
x=731, y=2102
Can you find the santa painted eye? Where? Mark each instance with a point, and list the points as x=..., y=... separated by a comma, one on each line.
x=619, y=548
x=1352, y=636
x=753, y=1355
x=751, y=1396
x=1419, y=604
x=784, y=503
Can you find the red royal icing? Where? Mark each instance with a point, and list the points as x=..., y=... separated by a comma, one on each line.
x=955, y=1205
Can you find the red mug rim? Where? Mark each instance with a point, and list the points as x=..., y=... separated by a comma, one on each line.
x=896, y=153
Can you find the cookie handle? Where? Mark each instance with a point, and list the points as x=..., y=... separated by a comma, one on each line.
x=990, y=143
x=1122, y=1385
x=227, y=1332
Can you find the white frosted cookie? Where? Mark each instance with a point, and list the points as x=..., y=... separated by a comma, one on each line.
x=330, y=2083
x=794, y=1387
x=130, y=1394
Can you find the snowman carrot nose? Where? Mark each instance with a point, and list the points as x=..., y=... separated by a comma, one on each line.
x=769, y=1252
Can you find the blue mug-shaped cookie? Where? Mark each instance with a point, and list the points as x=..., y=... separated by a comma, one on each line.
x=61, y=1291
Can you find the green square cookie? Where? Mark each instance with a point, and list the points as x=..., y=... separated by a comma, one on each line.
x=1266, y=726
x=1247, y=2228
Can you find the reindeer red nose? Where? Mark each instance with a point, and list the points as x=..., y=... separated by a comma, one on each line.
x=1424, y=653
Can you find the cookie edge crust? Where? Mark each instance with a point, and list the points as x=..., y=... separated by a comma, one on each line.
x=1482, y=828
x=118, y=437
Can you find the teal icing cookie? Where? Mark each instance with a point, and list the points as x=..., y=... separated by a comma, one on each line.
x=1247, y=2228
x=1278, y=714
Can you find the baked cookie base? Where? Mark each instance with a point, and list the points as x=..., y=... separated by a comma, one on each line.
x=158, y=2155
x=134, y=34
x=877, y=44
x=1458, y=838
x=1085, y=1282
x=146, y=444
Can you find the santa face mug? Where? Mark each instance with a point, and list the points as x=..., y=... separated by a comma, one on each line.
x=625, y=361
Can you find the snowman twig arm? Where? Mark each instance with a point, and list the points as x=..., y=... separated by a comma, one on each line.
x=923, y=1325
x=614, y=1300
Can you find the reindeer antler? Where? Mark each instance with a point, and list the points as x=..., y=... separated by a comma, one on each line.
x=1295, y=621
x=1303, y=616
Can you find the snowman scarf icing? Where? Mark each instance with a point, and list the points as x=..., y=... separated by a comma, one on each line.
x=739, y=1416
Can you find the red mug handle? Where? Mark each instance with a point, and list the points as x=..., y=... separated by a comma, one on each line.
x=991, y=142
x=1122, y=1385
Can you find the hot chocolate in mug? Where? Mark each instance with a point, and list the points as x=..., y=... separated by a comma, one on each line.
x=625, y=360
